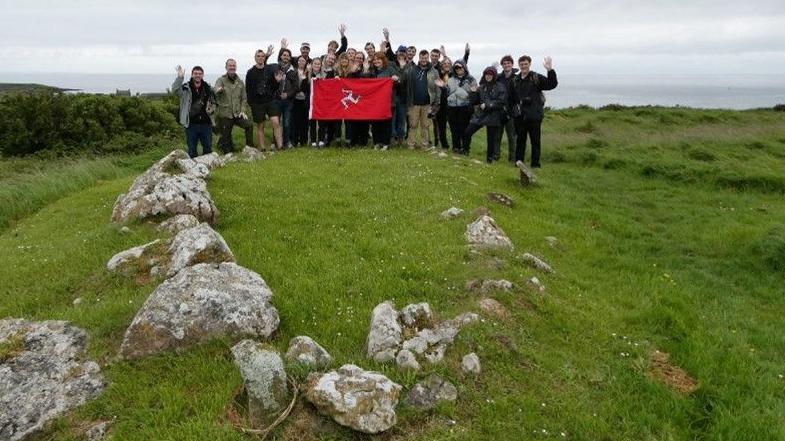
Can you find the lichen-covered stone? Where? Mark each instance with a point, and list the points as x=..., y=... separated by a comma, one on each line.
x=200, y=244
x=536, y=262
x=178, y=223
x=428, y=393
x=384, y=337
x=264, y=377
x=305, y=350
x=484, y=232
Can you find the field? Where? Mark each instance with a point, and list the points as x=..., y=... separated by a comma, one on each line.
x=670, y=238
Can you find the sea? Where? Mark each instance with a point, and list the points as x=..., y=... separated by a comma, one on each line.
x=595, y=90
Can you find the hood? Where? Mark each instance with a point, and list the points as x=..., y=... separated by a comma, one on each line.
x=462, y=63
x=489, y=69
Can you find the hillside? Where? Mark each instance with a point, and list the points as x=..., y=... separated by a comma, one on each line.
x=668, y=237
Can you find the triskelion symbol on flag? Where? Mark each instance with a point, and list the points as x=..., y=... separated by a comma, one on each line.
x=349, y=98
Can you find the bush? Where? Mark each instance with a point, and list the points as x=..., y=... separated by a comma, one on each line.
x=779, y=108
x=64, y=123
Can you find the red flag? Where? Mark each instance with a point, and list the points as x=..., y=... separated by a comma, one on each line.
x=367, y=99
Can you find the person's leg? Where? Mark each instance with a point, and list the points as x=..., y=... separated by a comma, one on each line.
x=534, y=134
x=225, y=134
x=260, y=135
x=297, y=112
x=509, y=129
x=413, y=125
x=247, y=127
x=465, y=118
x=455, y=132
x=286, y=122
x=425, y=127
x=190, y=140
x=470, y=130
x=441, y=123
x=492, y=139
x=205, y=135
x=362, y=128
x=435, y=124
x=313, y=134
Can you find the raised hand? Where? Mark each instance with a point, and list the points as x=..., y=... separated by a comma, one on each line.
x=180, y=71
x=342, y=29
x=386, y=33
x=443, y=50
x=219, y=89
x=269, y=50
x=468, y=48
x=439, y=83
x=548, y=64
x=284, y=43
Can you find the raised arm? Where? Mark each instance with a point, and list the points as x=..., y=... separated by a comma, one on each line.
x=178, y=81
x=344, y=41
x=466, y=54
x=551, y=81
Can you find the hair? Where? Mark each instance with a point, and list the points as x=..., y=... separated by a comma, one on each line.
x=436, y=51
x=297, y=61
x=382, y=57
x=411, y=47
x=506, y=58
x=228, y=60
x=525, y=58
x=332, y=43
x=197, y=68
x=370, y=43
x=287, y=51
x=259, y=51
x=343, y=71
x=423, y=52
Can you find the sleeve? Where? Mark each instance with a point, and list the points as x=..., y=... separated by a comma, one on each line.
x=344, y=45
x=550, y=82
x=389, y=52
x=178, y=82
x=248, y=86
x=466, y=57
x=218, y=83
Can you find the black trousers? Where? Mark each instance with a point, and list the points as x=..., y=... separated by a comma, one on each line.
x=358, y=131
x=440, y=129
x=381, y=131
x=459, y=117
x=317, y=130
x=492, y=137
x=299, y=132
x=225, y=126
x=530, y=128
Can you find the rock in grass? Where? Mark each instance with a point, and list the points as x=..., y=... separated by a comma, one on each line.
x=493, y=307
x=98, y=431
x=127, y=262
x=264, y=378
x=43, y=374
x=211, y=160
x=385, y=334
x=471, y=364
x=178, y=223
x=527, y=176
x=174, y=185
x=484, y=232
x=416, y=315
x=247, y=154
x=451, y=213
x=552, y=241
x=537, y=263
x=406, y=360
x=353, y=397
x=485, y=286
x=501, y=198
x=200, y=244
x=428, y=393
x=199, y=303
x=305, y=350
x=535, y=284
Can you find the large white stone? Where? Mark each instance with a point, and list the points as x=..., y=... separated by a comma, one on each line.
x=484, y=232
x=265, y=382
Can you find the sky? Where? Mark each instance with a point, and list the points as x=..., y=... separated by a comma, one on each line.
x=606, y=37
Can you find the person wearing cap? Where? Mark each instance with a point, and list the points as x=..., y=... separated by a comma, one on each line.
x=491, y=99
x=508, y=122
x=231, y=101
x=459, y=110
x=421, y=95
x=305, y=51
x=197, y=101
x=529, y=106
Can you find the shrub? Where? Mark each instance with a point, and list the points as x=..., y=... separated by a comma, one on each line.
x=64, y=123
x=779, y=108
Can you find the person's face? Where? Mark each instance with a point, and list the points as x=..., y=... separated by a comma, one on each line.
x=410, y=52
x=524, y=66
x=446, y=65
x=344, y=62
x=285, y=58
x=377, y=63
x=359, y=58
x=304, y=51
x=231, y=67
x=507, y=66
x=301, y=63
x=459, y=70
x=435, y=58
x=351, y=53
x=329, y=60
x=370, y=50
x=197, y=76
x=316, y=64
x=423, y=59
x=488, y=76
x=332, y=47
x=260, y=58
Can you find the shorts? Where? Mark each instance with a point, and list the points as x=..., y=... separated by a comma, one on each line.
x=262, y=111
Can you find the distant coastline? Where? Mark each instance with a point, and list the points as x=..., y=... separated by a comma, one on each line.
x=31, y=87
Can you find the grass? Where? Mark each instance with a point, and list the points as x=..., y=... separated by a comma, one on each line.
x=660, y=248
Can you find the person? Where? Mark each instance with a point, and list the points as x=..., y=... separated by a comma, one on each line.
x=411, y=52
x=399, y=98
x=231, y=100
x=263, y=90
x=381, y=129
x=370, y=49
x=301, y=105
x=420, y=94
x=491, y=99
x=332, y=46
x=440, y=111
x=358, y=129
x=508, y=123
x=459, y=110
x=436, y=55
x=466, y=53
x=305, y=51
x=197, y=101
x=290, y=85
x=332, y=128
x=529, y=106
x=315, y=128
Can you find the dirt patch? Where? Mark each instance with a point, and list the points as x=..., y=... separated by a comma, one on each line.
x=662, y=370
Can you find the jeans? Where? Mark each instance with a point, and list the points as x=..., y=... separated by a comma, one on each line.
x=530, y=127
x=196, y=133
x=286, y=120
x=399, y=118
x=225, y=126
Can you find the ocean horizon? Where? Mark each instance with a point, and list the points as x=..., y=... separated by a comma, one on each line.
x=736, y=92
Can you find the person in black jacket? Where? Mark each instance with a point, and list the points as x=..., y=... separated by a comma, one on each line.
x=289, y=87
x=506, y=77
x=491, y=99
x=529, y=106
x=301, y=105
x=263, y=90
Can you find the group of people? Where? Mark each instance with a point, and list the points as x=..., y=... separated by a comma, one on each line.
x=427, y=87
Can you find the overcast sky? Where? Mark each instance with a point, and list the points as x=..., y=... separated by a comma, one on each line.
x=624, y=37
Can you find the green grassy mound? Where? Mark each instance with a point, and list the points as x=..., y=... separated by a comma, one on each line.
x=669, y=224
